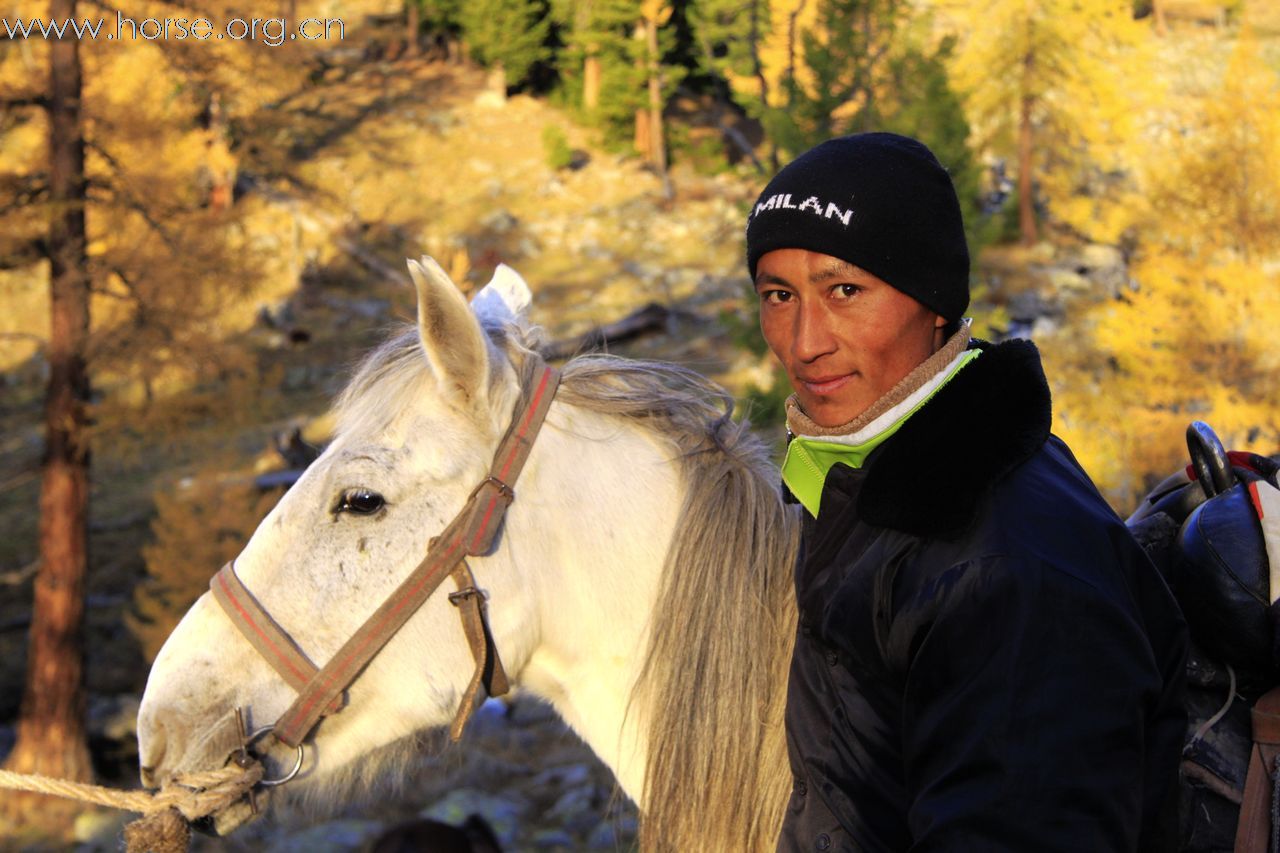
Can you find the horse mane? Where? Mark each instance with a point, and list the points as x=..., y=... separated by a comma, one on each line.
x=722, y=630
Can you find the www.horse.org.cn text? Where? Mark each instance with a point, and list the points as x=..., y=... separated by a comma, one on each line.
x=272, y=32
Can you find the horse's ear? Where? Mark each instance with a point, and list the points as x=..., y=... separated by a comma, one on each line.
x=451, y=335
x=505, y=298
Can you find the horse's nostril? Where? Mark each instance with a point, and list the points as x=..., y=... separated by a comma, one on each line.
x=151, y=750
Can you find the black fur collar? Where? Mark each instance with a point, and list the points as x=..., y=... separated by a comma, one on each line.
x=930, y=477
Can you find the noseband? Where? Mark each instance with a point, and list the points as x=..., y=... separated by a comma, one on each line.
x=471, y=534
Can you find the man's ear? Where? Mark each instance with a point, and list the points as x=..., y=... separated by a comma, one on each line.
x=452, y=339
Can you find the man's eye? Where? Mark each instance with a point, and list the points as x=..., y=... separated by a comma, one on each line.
x=846, y=291
x=776, y=297
x=361, y=502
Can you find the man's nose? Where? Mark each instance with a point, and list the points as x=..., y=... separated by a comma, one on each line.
x=813, y=338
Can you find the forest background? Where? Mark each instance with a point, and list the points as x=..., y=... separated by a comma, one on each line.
x=217, y=230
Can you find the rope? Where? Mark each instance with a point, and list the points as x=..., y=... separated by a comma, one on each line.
x=1213, y=721
x=164, y=827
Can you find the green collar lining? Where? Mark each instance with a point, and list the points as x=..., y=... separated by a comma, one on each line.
x=808, y=460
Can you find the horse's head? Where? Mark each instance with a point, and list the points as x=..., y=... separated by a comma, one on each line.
x=417, y=430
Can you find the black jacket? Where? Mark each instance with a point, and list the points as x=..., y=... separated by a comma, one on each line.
x=986, y=659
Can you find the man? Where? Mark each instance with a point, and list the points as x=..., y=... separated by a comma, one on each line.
x=986, y=660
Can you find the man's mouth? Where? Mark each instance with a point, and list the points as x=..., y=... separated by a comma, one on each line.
x=825, y=384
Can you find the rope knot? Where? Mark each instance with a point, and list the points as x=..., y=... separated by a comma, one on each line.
x=165, y=825
x=197, y=795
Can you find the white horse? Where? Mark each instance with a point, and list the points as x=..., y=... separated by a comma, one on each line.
x=641, y=582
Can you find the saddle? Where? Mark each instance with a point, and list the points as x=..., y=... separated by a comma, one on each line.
x=1213, y=530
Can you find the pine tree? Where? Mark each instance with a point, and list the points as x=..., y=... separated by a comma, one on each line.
x=729, y=34
x=611, y=40
x=866, y=65
x=922, y=104
x=1045, y=85
x=509, y=35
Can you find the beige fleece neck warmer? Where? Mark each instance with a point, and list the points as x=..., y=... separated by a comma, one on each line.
x=800, y=424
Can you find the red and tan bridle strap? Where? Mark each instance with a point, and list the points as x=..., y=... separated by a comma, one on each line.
x=471, y=533
x=277, y=647
x=488, y=672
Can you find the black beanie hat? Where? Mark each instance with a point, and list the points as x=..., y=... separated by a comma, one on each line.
x=880, y=201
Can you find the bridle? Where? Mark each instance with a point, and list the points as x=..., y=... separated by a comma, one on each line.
x=321, y=691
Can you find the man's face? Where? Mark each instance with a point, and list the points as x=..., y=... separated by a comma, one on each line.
x=844, y=336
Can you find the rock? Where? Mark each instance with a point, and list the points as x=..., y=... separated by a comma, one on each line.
x=338, y=835
x=113, y=717
x=1044, y=327
x=577, y=810
x=504, y=813
x=490, y=100
x=551, y=839
x=1067, y=281
x=422, y=834
x=615, y=834
x=1027, y=306
x=1102, y=265
x=500, y=222
x=571, y=775
x=100, y=830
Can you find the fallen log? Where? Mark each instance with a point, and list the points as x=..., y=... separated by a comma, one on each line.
x=647, y=320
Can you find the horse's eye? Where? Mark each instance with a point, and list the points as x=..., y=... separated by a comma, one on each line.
x=361, y=502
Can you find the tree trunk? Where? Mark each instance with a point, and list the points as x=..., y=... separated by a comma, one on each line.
x=789, y=87
x=51, y=730
x=757, y=67
x=412, y=23
x=496, y=81
x=643, y=138
x=222, y=175
x=1157, y=10
x=591, y=71
x=1026, y=200
x=657, y=140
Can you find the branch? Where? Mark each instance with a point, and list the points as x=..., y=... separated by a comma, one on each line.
x=651, y=318
x=22, y=191
x=16, y=102
x=20, y=336
x=128, y=201
x=18, y=253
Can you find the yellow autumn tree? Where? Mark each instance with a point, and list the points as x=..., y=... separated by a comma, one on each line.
x=1047, y=89
x=1195, y=337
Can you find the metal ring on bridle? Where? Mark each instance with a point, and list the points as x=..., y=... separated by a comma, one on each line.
x=272, y=783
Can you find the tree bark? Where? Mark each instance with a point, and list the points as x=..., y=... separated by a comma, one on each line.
x=496, y=81
x=51, y=727
x=222, y=180
x=657, y=140
x=643, y=139
x=413, y=22
x=591, y=71
x=1026, y=188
